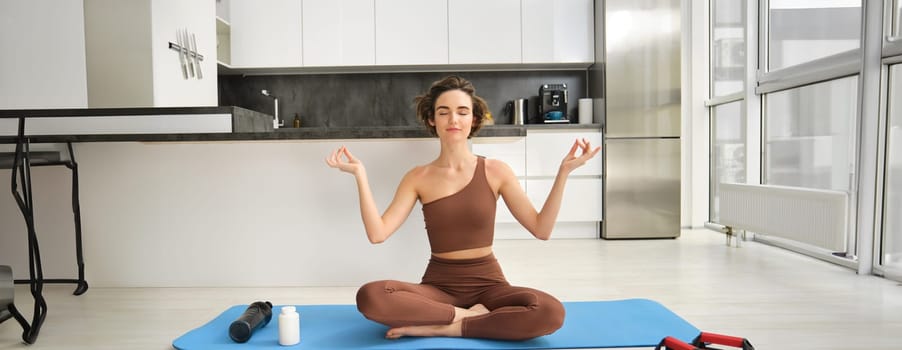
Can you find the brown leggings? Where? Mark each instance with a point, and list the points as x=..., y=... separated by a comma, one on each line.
x=517, y=313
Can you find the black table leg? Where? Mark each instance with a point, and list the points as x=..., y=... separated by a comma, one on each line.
x=76, y=213
x=82, y=284
x=22, y=168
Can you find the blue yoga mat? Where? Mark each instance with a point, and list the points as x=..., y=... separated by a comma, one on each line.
x=591, y=324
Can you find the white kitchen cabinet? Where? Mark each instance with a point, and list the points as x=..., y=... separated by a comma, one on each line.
x=535, y=160
x=502, y=213
x=129, y=60
x=338, y=33
x=546, y=148
x=511, y=151
x=411, y=32
x=558, y=31
x=582, y=198
x=484, y=31
x=265, y=33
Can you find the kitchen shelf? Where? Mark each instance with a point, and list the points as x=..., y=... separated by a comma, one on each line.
x=222, y=23
x=223, y=41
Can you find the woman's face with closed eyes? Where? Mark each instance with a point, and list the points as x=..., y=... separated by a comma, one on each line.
x=453, y=115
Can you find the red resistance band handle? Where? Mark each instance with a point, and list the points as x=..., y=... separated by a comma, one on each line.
x=671, y=343
x=711, y=338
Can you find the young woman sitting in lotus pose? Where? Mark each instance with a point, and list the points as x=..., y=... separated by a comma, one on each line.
x=463, y=292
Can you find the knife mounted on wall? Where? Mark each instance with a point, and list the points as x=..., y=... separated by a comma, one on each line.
x=189, y=58
x=184, y=65
x=195, y=54
x=187, y=53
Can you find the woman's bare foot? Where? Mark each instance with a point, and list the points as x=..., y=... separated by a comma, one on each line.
x=449, y=330
x=475, y=310
x=479, y=309
x=445, y=330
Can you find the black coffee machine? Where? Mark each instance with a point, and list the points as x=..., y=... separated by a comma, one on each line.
x=553, y=103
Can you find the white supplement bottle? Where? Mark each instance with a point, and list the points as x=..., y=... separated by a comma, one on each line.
x=289, y=326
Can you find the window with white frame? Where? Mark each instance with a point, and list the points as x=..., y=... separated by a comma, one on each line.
x=800, y=31
x=727, y=86
x=892, y=221
x=728, y=41
x=808, y=137
x=728, y=150
x=897, y=18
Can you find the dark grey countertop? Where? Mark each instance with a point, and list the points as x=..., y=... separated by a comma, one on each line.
x=381, y=132
x=243, y=120
x=57, y=112
x=251, y=126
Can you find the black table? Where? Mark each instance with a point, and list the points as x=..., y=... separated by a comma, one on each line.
x=230, y=121
x=20, y=162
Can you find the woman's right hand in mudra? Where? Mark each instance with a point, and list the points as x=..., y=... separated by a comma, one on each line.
x=345, y=161
x=572, y=161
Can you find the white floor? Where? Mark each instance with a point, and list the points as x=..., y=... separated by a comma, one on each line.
x=775, y=298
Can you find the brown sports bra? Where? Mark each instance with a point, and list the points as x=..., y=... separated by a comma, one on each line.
x=463, y=220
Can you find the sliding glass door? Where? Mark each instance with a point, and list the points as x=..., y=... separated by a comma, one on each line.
x=891, y=257
x=727, y=102
x=728, y=159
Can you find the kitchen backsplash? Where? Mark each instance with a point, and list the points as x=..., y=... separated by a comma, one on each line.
x=384, y=99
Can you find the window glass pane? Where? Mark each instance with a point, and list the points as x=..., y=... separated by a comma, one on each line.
x=897, y=18
x=804, y=30
x=808, y=137
x=728, y=47
x=728, y=153
x=892, y=219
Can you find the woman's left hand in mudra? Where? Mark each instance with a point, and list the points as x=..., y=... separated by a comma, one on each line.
x=573, y=161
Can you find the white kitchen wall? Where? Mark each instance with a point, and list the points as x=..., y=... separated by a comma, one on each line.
x=42, y=64
x=53, y=221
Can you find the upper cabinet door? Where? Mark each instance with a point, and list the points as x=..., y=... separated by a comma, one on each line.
x=266, y=33
x=411, y=32
x=484, y=31
x=558, y=31
x=339, y=33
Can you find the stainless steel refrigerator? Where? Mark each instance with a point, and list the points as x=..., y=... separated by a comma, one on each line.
x=642, y=118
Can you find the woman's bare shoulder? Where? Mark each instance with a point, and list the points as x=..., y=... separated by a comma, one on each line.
x=498, y=169
x=417, y=173
x=499, y=175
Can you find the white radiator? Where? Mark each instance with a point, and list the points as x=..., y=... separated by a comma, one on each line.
x=812, y=216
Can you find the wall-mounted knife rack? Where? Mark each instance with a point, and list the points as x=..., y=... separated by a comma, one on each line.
x=189, y=58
